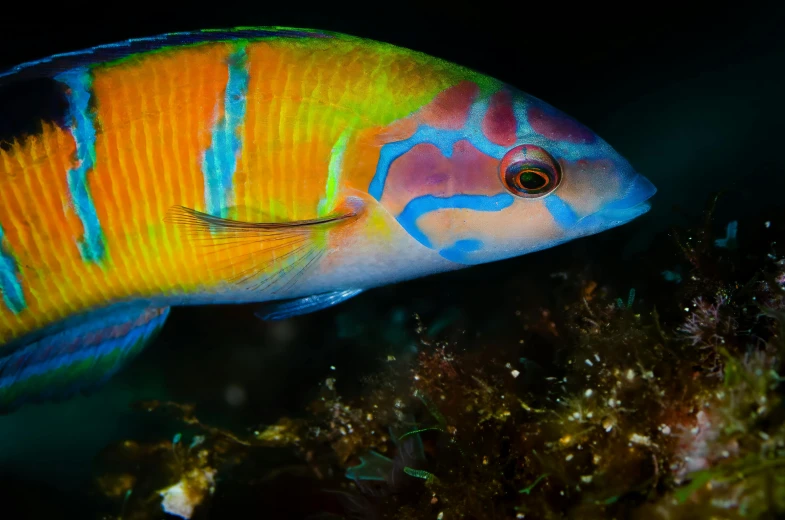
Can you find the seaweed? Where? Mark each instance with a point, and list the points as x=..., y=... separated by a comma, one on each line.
x=663, y=401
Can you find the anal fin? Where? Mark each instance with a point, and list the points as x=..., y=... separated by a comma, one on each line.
x=76, y=358
x=279, y=310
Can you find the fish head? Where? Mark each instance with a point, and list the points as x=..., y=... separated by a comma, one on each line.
x=485, y=176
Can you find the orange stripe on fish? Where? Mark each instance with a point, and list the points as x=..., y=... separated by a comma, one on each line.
x=288, y=166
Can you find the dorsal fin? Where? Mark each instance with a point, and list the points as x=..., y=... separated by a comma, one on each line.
x=50, y=66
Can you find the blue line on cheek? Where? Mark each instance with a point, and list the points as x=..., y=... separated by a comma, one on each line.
x=475, y=134
x=220, y=160
x=442, y=139
x=10, y=287
x=458, y=251
x=418, y=207
x=564, y=150
x=562, y=213
x=79, y=82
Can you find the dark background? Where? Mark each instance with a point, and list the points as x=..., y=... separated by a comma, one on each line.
x=693, y=96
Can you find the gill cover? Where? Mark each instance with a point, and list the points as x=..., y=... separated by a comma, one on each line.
x=490, y=173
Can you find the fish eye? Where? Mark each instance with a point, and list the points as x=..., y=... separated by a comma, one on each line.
x=529, y=171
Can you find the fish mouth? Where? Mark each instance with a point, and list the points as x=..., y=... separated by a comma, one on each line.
x=633, y=204
x=617, y=216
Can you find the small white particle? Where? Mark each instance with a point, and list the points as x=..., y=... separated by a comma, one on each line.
x=597, y=358
x=588, y=362
x=568, y=457
x=630, y=374
x=686, y=309
x=332, y=367
x=515, y=373
x=640, y=439
x=586, y=479
x=588, y=393
x=767, y=224
x=440, y=516
x=665, y=429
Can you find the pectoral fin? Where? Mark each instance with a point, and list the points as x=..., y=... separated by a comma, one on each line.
x=280, y=310
x=257, y=255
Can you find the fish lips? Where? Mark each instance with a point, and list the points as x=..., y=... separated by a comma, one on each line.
x=632, y=205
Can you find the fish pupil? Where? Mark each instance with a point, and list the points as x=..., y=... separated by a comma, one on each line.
x=531, y=180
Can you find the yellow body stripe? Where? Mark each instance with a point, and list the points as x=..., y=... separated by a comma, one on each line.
x=154, y=114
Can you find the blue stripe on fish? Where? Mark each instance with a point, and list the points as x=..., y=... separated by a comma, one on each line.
x=562, y=150
x=474, y=127
x=80, y=356
x=444, y=140
x=82, y=125
x=459, y=251
x=220, y=160
x=10, y=286
x=562, y=213
x=418, y=207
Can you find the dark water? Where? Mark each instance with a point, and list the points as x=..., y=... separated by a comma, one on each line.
x=694, y=98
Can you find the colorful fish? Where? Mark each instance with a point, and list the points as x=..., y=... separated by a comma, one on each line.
x=294, y=167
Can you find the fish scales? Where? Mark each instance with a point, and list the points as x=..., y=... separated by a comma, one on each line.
x=156, y=116
x=288, y=167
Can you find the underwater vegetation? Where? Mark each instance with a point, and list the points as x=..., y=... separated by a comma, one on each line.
x=661, y=402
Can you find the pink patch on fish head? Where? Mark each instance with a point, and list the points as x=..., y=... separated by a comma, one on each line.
x=499, y=124
x=551, y=123
x=424, y=170
x=450, y=108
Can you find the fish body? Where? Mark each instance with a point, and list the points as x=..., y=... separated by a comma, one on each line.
x=263, y=164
